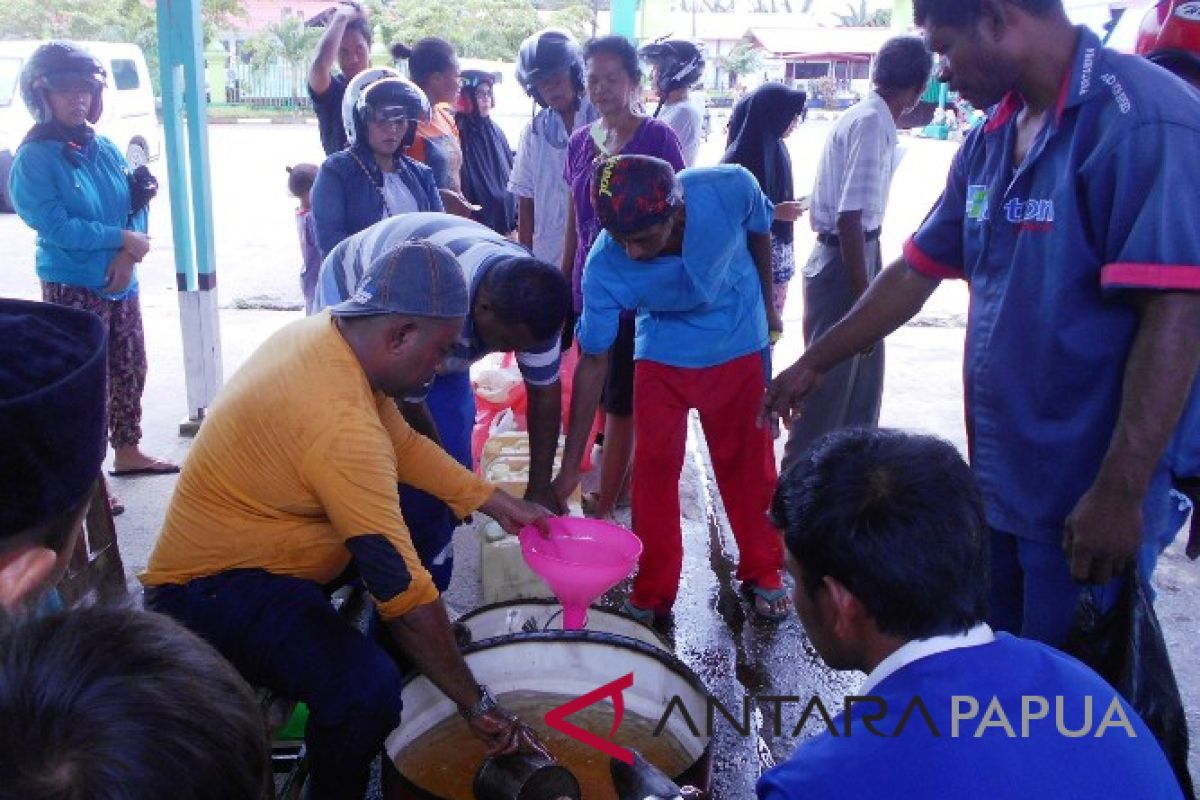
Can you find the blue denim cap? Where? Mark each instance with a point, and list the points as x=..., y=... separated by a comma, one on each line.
x=415, y=278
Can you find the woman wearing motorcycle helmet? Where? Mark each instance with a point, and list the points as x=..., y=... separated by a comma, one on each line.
x=72, y=187
x=373, y=178
x=487, y=155
x=550, y=70
x=675, y=66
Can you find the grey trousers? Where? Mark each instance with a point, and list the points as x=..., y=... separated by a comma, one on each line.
x=851, y=393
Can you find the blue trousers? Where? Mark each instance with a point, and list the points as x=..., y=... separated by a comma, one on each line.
x=1032, y=592
x=451, y=401
x=282, y=634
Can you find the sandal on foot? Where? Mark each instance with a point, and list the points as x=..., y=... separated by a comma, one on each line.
x=115, y=506
x=152, y=466
x=772, y=605
x=646, y=616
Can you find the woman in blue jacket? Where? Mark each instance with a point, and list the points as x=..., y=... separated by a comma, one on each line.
x=73, y=188
x=373, y=179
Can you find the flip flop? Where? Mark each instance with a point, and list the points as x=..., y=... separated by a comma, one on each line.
x=646, y=616
x=770, y=609
x=159, y=468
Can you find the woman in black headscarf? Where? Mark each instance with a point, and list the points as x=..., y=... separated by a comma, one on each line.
x=487, y=157
x=760, y=123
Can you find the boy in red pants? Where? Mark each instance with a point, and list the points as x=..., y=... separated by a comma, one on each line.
x=689, y=253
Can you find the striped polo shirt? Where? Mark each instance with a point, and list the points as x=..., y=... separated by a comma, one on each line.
x=477, y=249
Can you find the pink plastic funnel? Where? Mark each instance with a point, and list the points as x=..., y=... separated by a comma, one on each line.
x=582, y=559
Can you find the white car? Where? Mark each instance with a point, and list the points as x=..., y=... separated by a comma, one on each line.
x=129, y=117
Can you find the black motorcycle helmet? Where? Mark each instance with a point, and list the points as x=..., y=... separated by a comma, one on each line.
x=545, y=53
x=384, y=95
x=680, y=63
x=54, y=64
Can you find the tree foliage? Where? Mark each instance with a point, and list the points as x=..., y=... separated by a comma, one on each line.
x=105, y=20
x=489, y=29
x=289, y=43
x=576, y=18
x=743, y=59
x=114, y=20
x=861, y=17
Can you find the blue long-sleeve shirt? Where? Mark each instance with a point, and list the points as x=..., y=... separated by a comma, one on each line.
x=347, y=195
x=79, y=212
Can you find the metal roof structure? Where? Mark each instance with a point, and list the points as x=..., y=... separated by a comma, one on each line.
x=821, y=44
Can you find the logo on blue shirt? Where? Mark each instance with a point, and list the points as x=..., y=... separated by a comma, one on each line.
x=977, y=202
x=1029, y=213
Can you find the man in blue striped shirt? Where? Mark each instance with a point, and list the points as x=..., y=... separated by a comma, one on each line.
x=517, y=303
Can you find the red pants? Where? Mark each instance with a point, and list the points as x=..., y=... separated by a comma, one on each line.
x=727, y=397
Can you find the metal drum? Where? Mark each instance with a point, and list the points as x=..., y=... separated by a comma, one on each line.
x=566, y=663
x=533, y=616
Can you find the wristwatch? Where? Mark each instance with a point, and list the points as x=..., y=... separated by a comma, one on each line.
x=483, y=705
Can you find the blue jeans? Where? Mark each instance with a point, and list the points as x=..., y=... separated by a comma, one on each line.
x=430, y=522
x=282, y=634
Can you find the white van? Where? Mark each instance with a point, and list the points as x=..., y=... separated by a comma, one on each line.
x=129, y=117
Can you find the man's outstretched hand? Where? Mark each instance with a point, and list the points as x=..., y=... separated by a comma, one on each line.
x=785, y=397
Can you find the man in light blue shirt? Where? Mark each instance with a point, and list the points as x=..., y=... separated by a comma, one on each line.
x=691, y=255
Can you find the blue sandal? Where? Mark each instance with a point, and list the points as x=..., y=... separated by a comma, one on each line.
x=772, y=605
x=646, y=616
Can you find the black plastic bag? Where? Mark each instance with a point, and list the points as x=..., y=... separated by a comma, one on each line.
x=143, y=186
x=1126, y=647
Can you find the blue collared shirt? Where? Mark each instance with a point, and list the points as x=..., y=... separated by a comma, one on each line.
x=699, y=309
x=1102, y=206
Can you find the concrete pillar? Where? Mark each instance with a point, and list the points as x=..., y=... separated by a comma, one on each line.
x=623, y=19
x=185, y=124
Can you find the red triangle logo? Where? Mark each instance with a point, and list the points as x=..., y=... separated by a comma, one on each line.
x=556, y=718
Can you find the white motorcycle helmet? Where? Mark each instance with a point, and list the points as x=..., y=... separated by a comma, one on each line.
x=381, y=90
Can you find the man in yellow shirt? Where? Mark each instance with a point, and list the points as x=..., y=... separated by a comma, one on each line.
x=293, y=478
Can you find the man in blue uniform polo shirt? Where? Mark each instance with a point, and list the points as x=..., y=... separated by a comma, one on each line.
x=1068, y=214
